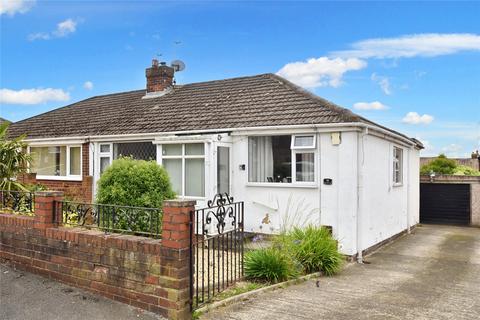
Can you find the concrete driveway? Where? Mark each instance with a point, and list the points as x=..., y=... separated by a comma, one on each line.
x=25, y=296
x=433, y=273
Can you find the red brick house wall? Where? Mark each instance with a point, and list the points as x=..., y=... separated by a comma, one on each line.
x=74, y=190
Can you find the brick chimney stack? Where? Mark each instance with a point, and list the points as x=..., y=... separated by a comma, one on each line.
x=159, y=76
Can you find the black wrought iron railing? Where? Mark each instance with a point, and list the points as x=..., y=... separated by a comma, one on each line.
x=19, y=202
x=110, y=218
x=217, y=248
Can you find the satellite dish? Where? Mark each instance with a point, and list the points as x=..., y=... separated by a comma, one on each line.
x=177, y=65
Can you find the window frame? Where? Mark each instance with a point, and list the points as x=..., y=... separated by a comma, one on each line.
x=183, y=156
x=311, y=147
x=400, y=161
x=101, y=155
x=68, y=176
x=294, y=151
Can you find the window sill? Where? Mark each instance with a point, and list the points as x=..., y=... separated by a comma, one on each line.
x=397, y=184
x=282, y=185
x=60, y=178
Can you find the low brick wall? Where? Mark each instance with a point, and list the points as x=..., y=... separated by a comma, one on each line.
x=143, y=272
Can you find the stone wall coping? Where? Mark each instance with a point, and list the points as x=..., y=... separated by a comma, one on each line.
x=179, y=203
x=449, y=178
x=49, y=194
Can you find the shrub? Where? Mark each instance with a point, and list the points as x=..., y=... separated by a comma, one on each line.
x=314, y=248
x=466, y=171
x=138, y=183
x=441, y=165
x=269, y=264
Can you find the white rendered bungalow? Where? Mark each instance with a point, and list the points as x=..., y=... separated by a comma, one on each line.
x=292, y=157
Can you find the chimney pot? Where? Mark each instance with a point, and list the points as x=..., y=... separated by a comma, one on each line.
x=154, y=62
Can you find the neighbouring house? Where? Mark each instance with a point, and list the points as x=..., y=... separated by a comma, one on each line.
x=293, y=157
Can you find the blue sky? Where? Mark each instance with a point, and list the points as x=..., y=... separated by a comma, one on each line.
x=412, y=66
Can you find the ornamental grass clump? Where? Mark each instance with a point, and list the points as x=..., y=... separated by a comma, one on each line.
x=269, y=265
x=314, y=248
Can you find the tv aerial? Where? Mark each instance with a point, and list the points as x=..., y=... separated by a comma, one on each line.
x=177, y=65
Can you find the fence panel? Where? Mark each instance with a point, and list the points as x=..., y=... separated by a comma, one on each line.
x=216, y=251
x=110, y=218
x=19, y=202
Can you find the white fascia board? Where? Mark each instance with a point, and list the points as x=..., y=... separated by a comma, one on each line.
x=303, y=128
x=56, y=142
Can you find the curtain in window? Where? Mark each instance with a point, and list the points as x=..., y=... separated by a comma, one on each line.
x=260, y=159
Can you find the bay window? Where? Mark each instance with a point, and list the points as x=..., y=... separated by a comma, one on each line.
x=56, y=161
x=281, y=159
x=185, y=164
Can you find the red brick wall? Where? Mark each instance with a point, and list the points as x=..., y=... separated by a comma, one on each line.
x=142, y=272
x=75, y=190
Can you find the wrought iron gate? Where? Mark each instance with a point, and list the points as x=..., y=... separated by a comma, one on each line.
x=216, y=250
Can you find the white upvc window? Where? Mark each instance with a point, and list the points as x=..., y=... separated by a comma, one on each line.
x=56, y=162
x=306, y=141
x=105, y=155
x=282, y=159
x=397, y=166
x=185, y=164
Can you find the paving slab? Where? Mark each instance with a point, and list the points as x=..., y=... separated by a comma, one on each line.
x=433, y=273
x=25, y=296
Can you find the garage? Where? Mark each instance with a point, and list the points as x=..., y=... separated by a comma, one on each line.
x=445, y=203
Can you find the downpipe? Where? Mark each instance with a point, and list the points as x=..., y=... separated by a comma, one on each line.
x=360, y=163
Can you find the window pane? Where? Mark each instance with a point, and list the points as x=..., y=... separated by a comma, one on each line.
x=104, y=163
x=194, y=177
x=223, y=169
x=194, y=149
x=172, y=149
x=304, y=141
x=269, y=159
x=104, y=148
x=75, y=161
x=136, y=150
x=174, y=169
x=49, y=161
x=305, y=166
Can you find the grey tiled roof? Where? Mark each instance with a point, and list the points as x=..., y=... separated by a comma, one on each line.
x=255, y=101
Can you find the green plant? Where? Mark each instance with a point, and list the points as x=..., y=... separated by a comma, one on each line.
x=13, y=160
x=270, y=265
x=314, y=248
x=137, y=183
x=441, y=165
x=466, y=171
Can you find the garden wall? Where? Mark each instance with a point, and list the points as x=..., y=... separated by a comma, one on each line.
x=147, y=273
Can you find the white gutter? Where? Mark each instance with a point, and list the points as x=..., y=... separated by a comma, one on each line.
x=235, y=131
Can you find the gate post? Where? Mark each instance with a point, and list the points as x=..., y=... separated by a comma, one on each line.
x=175, y=256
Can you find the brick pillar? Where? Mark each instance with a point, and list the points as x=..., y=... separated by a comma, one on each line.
x=44, y=208
x=175, y=256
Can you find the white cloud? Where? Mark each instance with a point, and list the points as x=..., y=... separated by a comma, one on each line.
x=415, y=118
x=383, y=82
x=416, y=45
x=320, y=72
x=375, y=105
x=452, y=150
x=32, y=96
x=88, y=85
x=11, y=7
x=63, y=29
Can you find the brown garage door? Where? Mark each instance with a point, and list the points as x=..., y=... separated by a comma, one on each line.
x=445, y=203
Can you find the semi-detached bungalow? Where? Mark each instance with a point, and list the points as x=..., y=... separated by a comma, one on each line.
x=293, y=157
